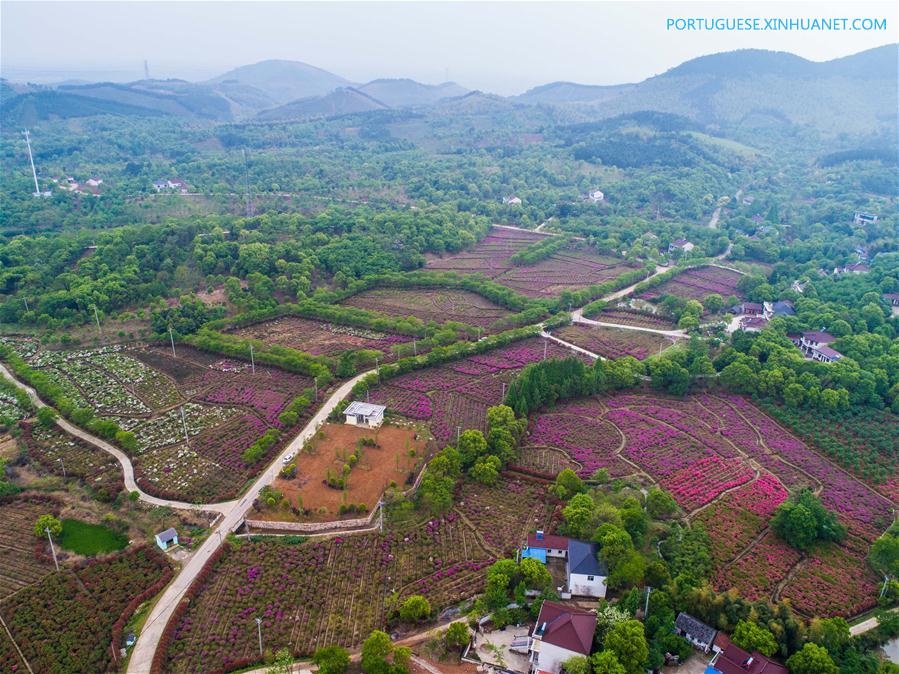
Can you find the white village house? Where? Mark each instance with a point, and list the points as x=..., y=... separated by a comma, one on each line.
x=366, y=415
x=596, y=196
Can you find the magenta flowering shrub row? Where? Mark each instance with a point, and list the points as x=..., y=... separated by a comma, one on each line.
x=705, y=480
x=832, y=581
x=759, y=571
x=592, y=443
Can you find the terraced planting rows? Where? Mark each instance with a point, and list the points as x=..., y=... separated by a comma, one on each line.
x=457, y=395
x=612, y=342
x=437, y=305
x=61, y=454
x=571, y=268
x=728, y=466
x=635, y=318
x=72, y=621
x=319, y=338
x=335, y=591
x=698, y=283
x=19, y=565
x=192, y=416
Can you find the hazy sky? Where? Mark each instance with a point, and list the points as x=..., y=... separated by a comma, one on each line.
x=504, y=47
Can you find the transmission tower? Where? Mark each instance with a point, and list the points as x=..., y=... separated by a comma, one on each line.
x=37, y=189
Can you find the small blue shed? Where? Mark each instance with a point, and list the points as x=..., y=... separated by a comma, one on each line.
x=166, y=538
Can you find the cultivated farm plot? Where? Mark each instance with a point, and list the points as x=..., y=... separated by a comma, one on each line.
x=319, y=338
x=19, y=566
x=614, y=342
x=64, y=622
x=62, y=454
x=635, y=318
x=698, y=283
x=192, y=415
x=335, y=591
x=728, y=465
x=571, y=269
x=437, y=305
x=455, y=396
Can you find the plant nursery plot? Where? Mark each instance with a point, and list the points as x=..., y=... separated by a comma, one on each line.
x=320, y=338
x=544, y=461
x=69, y=621
x=455, y=396
x=832, y=581
x=19, y=566
x=503, y=514
x=9, y=407
x=635, y=318
x=9, y=656
x=571, y=268
x=698, y=283
x=613, y=342
x=328, y=592
x=591, y=443
x=179, y=472
x=735, y=519
x=758, y=573
x=396, y=454
x=438, y=305
x=62, y=454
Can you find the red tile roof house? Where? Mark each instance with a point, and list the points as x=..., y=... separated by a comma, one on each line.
x=561, y=632
x=734, y=660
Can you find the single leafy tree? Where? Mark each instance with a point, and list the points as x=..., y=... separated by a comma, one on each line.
x=282, y=663
x=802, y=519
x=331, y=659
x=415, y=609
x=457, y=635
x=752, y=637
x=628, y=642
x=375, y=653
x=45, y=522
x=578, y=664
x=606, y=662
x=812, y=659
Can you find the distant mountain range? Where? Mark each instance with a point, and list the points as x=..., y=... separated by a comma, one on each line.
x=746, y=88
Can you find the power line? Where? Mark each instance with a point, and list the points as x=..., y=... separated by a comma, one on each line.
x=246, y=168
x=37, y=189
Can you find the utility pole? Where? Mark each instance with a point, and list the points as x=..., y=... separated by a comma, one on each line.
x=259, y=630
x=414, y=346
x=27, y=308
x=246, y=168
x=381, y=517
x=52, y=549
x=37, y=188
x=184, y=427
x=172, y=340
x=544, y=349
x=378, y=369
x=504, y=391
x=315, y=384
x=252, y=359
x=63, y=463
x=97, y=318
x=646, y=605
x=458, y=433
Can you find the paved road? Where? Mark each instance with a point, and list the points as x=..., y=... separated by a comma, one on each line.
x=121, y=457
x=577, y=316
x=144, y=649
x=865, y=626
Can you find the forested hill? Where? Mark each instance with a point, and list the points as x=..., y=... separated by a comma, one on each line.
x=751, y=89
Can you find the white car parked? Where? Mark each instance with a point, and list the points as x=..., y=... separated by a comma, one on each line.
x=288, y=458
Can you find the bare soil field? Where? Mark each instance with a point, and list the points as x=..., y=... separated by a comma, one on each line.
x=389, y=461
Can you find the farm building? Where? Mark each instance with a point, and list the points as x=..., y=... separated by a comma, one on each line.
x=540, y=546
x=825, y=354
x=585, y=574
x=167, y=538
x=779, y=308
x=366, y=415
x=560, y=633
x=680, y=244
x=596, y=196
x=695, y=631
x=862, y=218
x=512, y=201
